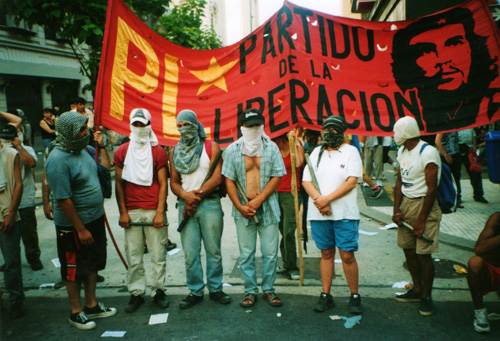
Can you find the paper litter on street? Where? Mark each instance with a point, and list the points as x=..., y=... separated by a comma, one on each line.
x=113, y=334
x=226, y=285
x=335, y=317
x=338, y=261
x=56, y=262
x=158, y=318
x=173, y=252
x=351, y=321
x=389, y=226
x=400, y=285
x=366, y=233
x=47, y=285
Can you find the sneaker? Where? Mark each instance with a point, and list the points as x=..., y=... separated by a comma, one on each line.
x=426, y=307
x=409, y=296
x=481, y=324
x=482, y=200
x=16, y=309
x=221, y=297
x=170, y=245
x=377, y=193
x=281, y=269
x=134, y=303
x=161, y=300
x=99, y=311
x=190, y=301
x=355, y=304
x=295, y=275
x=325, y=302
x=37, y=265
x=81, y=321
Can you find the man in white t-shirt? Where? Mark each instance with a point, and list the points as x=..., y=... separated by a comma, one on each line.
x=415, y=202
x=333, y=210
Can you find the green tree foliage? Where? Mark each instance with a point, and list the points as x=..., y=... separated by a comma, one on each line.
x=78, y=22
x=183, y=26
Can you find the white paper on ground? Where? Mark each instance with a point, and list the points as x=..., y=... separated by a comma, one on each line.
x=338, y=261
x=226, y=285
x=335, y=317
x=173, y=252
x=113, y=334
x=389, y=226
x=158, y=318
x=366, y=233
x=56, y=262
x=47, y=285
x=400, y=285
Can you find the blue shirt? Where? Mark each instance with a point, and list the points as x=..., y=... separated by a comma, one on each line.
x=74, y=176
x=271, y=165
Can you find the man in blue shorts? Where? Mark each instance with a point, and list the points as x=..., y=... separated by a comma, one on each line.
x=79, y=218
x=333, y=209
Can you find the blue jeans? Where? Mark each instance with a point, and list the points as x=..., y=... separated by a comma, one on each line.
x=207, y=225
x=11, y=251
x=247, y=242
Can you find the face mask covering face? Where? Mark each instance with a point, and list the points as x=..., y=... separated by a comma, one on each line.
x=140, y=135
x=332, y=139
x=252, y=140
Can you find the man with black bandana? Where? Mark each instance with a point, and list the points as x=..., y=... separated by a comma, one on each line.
x=79, y=217
x=141, y=193
x=333, y=210
x=190, y=161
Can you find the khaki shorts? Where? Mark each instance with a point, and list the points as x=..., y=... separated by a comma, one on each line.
x=406, y=239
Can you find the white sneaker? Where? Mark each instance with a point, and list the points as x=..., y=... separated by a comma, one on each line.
x=280, y=270
x=481, y=324
x=295, y=275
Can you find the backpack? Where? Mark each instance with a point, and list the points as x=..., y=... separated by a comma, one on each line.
x=446, y=194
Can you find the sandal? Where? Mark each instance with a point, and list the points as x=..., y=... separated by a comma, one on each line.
x=248, y=297
x=272, y=299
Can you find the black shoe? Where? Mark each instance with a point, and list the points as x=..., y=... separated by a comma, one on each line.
x=145, y=249
x=221, y=297
x=161, y=300
x=325, y=302
x=16, y=309
x=355, y=304
x=99, y=279
x=482, y=200
x=2, y=267
x=99, y=311
x=426, y=307
x=36, y=265
x=409, y=296
x=190, y=301
x=134, y=303
x=170, y=245
x=81, y=321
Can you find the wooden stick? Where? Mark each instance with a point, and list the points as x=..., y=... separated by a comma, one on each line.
x=291, y=142
x=424, y=237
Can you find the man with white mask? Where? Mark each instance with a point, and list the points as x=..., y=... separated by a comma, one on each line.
x=255, y=164
x=415, y=202
x=141, y=193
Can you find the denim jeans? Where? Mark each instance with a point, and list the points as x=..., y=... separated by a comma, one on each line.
x=247, y=242
x=287, y=227
x=206, y=225
x=11, y=251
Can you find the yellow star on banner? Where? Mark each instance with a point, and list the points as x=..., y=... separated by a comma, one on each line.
x=214, y=75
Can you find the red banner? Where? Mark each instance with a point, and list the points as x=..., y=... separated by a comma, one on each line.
x=302, y=66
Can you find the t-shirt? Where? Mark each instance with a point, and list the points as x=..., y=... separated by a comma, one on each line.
x=333, y=170
x=286, y=180
x=194, y=180
x=413, y=164
x=137, y=196
x=29, y=190
x=74, y=176
x=8, y=156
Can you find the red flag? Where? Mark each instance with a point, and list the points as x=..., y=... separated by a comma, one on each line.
x=301, y=66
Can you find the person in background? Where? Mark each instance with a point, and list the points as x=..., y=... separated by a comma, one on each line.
x=287, y=224
x=48, y=127
x=467, y=143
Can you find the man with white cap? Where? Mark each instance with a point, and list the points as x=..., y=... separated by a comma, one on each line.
x=415, y=202
x=141, y=193
x=191, y=160
x=254, y=162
